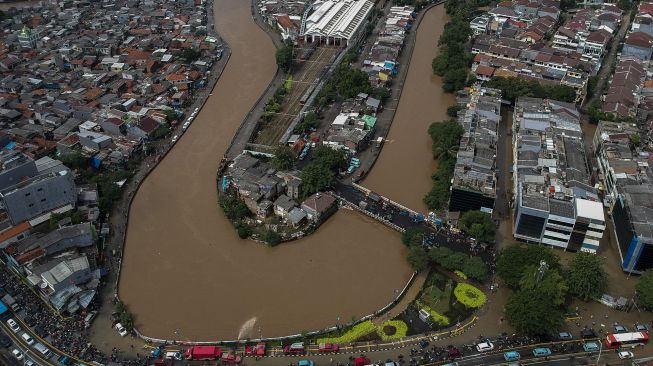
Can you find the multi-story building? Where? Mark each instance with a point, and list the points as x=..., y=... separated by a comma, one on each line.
x=38, y=195
x=632, y=214
x=616, y=159
x=555, y=203
x=474, y=180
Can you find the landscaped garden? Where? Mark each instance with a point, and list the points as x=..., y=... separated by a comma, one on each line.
x=367, y=331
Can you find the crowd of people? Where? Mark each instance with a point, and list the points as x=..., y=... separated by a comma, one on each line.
x=67, y=334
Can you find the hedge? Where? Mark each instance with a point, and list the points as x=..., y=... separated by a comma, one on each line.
x=357, y=331
x=400, y=326
x=469, y=295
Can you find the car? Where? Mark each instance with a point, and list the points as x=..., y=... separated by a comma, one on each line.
x=29, y=363
x=328, y=347
x=5, y=341
x=511, y=356
x=121, y=329
x=230, y=358
x=591, y=347
x=174, y=356
x=641, y=328
x=587, y=333
x=28, y=339
x=305, y=363
x=175, y=138
x=295, y=348
x=13, y=325
x=564, y=336
x=485, y=346
x=423, y=343
x=624, y=355
x=620, y=329
x=541, y=352
x=18, y=354
x=454, y=352
x=185, y=126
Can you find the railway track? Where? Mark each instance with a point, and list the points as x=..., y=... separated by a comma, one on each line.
x=306, y=77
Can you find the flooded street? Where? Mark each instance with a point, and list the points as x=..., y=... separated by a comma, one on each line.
x=404, y=168
x=185, y=273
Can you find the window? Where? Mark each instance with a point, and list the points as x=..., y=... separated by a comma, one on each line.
x=40, y=190
x=27, y=194
x=31, y=205
x=42, y=199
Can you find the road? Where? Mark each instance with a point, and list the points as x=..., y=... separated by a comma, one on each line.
x=608, y=62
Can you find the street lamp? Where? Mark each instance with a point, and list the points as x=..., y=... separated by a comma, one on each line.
x=600, y=349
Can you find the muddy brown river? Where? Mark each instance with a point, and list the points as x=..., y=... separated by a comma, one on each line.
x=404, y=168
x=185, y=273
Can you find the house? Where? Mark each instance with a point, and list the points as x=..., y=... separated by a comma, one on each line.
x=297, y=217
x=283, y=205
x=287, y=27
x=15, y=233
x=319, y=206
x=114, y=126
x=144, y=128
x=639, y=45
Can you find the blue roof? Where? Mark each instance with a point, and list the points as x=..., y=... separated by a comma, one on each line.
x=3, y=308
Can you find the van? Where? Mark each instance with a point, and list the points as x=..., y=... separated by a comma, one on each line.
x=541, y=352
x=88, y=320
x=28, y=339
x=511, y=356
x=173, y=356
x=45, y=351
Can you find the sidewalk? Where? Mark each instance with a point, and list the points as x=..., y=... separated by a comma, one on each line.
x=408, y=298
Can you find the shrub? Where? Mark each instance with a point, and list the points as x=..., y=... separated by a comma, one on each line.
x=401, y=328
x=460, y=274
x=357, y=331
x=436, y=317
x=469, y=295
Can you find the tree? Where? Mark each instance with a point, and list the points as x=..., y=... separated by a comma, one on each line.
x=243, y=230
x=586, y=278
x=644, y=290
x=567, y=4
x=74, y=160
x=284, y=57
x=475, y=268
x=552, y=284
x=233, y=207
x=417, y=258
x=412, y=236
x=446, y=137
x=453, y=110
x=284, y=158
x=625, y=5
x=310, y=121
x=331, y=158
x=515, y=259
x=190, y=55
x=316, y=177
x=271, y=237
x=381, y=93
x=479, y=225
x=635, y=139
x=533, y=312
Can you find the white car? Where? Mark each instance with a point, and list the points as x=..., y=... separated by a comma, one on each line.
x=175, y=138
x=28, y=339
x=624, y=355
x=13, y=325
x=29, y=363
x=485, y=346
x=121, y=330
x=197, y=109
x=18, y=354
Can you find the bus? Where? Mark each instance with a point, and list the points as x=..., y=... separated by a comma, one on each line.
x=632, y=339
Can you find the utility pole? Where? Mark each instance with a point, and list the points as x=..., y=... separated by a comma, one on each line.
x=540, y=271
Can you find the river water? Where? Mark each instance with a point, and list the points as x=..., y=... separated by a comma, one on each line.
x=404, y=168
x=186, y=275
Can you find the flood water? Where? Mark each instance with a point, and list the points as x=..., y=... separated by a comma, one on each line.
x=404, y=168
x=186, y=275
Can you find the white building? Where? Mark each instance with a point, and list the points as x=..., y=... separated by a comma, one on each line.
x=337, y=22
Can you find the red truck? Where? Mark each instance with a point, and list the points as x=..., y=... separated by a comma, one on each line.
x=230, y=358
x=328, y=347
x=258, y=350
x=203, y=353
x=295, y=348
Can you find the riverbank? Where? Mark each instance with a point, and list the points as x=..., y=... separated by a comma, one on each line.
x=403, y=169
x=119, y=219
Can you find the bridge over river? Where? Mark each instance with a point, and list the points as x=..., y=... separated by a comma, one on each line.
x=401, y=218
